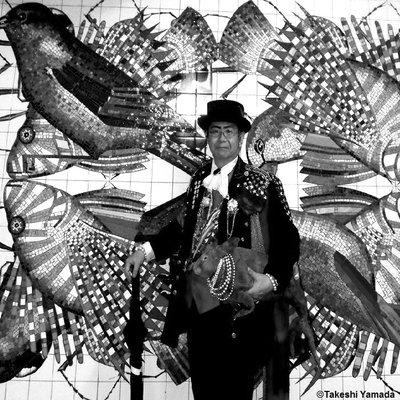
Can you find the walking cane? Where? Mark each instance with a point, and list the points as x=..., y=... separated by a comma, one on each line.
x=137, y=333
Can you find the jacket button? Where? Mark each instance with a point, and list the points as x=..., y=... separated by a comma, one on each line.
x=175, y=292
x=233, y=335
x=246, y=224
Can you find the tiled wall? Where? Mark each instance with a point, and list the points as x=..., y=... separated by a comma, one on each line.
x=160, y=182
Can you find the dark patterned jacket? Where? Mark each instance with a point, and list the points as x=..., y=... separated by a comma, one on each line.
x=263, y=216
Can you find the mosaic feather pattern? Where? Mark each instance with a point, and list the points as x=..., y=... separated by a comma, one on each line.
x=103, y=89
x=336, y=326
x=133, y=48
x=325, y=163
x=337, y=36
x=114, y=206
x=273, y=139
x=73, y=260
x=31, y=323
x=40, y=219
x=352, y=103
x=247, y=40
x=341, y=204
x=336, y=339
x=321, y=238
x=191, y=43
x=91, y=33
x=381, y=52
x=40, y=149
x=378, y=227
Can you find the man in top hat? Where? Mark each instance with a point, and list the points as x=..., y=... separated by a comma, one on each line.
x=225, y=198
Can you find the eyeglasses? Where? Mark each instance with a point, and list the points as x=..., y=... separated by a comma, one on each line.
x=216, y=133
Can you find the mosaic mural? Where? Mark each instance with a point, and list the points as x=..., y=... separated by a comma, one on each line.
x=98, y=99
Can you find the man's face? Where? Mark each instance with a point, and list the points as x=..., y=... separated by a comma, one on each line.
x=224, y=140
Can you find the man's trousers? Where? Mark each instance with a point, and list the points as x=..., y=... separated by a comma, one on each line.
x=226, y=355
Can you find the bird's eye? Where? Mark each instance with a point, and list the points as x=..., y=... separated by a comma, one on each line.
x=259, y=146
x=22, y=16
x=26, y=134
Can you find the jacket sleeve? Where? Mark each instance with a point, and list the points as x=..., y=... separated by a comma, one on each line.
x=281, y=237
x=167, y=242
x=170, y=238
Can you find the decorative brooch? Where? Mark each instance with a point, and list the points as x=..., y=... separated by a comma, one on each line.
x=232, y=206
x=206, y=201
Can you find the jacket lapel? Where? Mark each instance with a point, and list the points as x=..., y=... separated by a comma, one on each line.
x=237, y=176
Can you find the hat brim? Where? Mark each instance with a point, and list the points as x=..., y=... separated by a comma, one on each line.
x=204, y=121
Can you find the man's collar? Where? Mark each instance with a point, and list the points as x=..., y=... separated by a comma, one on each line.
x=226, y=168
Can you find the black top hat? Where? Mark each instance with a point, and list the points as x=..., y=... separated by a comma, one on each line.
x=224, y=110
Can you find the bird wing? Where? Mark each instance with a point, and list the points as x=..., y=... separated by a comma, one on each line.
x=119, y=210
x=354, y=306
x=336, y=341
x=378, y=227
x=247, y=40
x=380, y=50
x=339, y=203
x=133, y=48
x=89, y=77
x=115, y=98
x=133, y=107
x=326, y=163
x=96, y=263
x=31, y=321
x=317, y=86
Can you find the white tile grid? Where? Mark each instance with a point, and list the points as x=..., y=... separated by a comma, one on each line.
x=161, y=181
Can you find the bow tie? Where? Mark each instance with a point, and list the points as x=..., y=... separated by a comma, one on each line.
x=218, y=180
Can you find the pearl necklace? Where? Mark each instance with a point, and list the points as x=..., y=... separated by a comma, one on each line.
x=222, y=282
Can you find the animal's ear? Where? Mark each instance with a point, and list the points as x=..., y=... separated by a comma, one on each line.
x=230, y=244
x=197, y=269
x=233, y=242
x=198, y=265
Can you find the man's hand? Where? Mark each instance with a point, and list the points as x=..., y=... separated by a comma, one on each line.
x=133, y=263
x=261, y=286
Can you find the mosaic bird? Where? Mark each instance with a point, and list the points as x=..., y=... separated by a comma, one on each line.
x=353, y=103
x=72, y=259
x=375, y=222
x=86, y=97
x=75, y=262
x=337, y=275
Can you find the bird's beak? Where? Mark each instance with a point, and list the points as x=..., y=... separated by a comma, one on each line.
x=3, y=22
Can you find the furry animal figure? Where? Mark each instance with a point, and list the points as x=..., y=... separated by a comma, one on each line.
x=206, y=266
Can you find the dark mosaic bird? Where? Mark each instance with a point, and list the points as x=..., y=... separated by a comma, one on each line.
x=86, y=97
